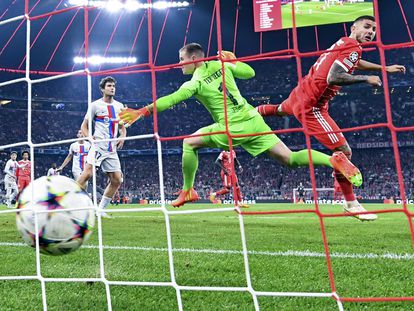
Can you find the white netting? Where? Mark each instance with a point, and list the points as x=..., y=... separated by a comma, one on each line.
x=178, y=288
x=167, y=213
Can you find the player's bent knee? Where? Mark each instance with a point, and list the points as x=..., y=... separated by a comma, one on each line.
x=194, y=142
x=190, y=142
x=290, y=164
x=85, y=176
x=116, y=180
x=87, y=173
x=187, y=141
x=281, y=153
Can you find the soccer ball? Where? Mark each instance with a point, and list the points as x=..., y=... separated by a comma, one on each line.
x=59, y=232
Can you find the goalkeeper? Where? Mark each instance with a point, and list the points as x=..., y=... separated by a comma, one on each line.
x=206, y=85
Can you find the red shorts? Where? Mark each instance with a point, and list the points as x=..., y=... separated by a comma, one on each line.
x=23, y=183
x=317, y=119
x=228, y=180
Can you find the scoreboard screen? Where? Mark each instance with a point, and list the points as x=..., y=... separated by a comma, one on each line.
x=277, y=14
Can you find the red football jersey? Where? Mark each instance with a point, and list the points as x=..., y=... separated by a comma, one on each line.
x=226, y=160
x=24, y=172
x=346, y=52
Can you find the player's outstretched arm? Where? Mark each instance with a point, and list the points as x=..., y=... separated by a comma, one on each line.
x=122, y=134
x=219, y=162
x=240, y=70
x=21, y=165
x=227, y=55
x=365, y=65
x=338, y=76
x=84, y=128
x=129, y=116
x=239, y=166
x=65, y=162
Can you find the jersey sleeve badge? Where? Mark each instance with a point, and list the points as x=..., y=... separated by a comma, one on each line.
x=353, y=57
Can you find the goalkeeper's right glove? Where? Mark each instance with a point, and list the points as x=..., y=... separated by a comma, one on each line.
x=128, y=116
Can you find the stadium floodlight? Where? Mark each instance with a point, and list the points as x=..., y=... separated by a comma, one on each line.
x=98, y=60
x=130, y=5
x=4, y=101
x=114, y=5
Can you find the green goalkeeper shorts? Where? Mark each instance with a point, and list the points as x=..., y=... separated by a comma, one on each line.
x=254, y=145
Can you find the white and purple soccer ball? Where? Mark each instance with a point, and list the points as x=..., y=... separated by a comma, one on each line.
x=60, y=232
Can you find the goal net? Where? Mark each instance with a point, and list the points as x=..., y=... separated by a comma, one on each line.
x=163, y=265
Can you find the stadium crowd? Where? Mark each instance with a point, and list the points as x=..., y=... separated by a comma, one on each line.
x=261, y=178
x=59, y=106
x=350, y=111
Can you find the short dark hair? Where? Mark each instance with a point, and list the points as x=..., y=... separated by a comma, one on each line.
x=25, y=151
x=193, y=48
x=363, y=17
x=106, y=80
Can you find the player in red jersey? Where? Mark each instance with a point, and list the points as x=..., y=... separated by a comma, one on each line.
x=229, y=177
x=23, y=172
x=337, y=189
x=116, y=199
x=325, y=78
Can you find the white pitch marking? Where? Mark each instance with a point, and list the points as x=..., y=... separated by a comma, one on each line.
x=289, y=253
x=270, y=217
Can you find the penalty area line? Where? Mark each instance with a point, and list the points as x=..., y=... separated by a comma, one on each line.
x=288, y=253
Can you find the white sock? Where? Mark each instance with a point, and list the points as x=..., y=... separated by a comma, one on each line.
x=352, y=203
x=13, y=196
x=10, y=195
x=104, y=202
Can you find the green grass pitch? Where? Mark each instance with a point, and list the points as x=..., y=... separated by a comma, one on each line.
x=286, y=254
x=311, y=13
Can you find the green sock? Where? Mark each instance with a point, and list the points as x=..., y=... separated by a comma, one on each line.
x=190, y=165
x=300, y=158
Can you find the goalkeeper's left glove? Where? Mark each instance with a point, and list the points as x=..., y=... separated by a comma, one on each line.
x=128, y=116
x=227, y=55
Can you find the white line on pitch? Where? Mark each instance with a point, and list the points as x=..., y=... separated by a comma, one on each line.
x=270, y=217
x=235, y=217
x=289, y=253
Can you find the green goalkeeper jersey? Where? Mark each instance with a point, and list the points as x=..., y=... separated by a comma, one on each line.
x=207, y=86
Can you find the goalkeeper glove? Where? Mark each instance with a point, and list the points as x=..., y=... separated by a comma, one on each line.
x=128, y=116
x=227, y=55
